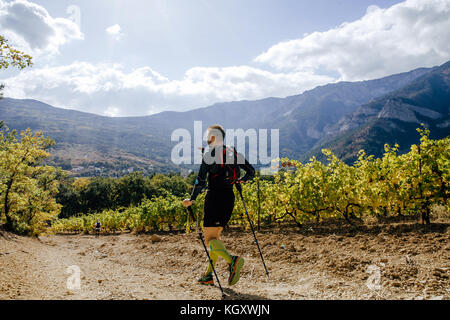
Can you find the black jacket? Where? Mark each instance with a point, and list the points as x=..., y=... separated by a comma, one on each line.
x=213, y=169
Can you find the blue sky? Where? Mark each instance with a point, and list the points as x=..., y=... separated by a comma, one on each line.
x=172, y=36
x=136, y=57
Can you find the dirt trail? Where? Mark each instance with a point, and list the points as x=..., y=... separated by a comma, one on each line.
x=318, y=262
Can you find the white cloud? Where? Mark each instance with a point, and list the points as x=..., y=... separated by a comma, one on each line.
x=30, y=27
x=408, y=35
x=110, y=90
x=115, y=31
x=405, y=36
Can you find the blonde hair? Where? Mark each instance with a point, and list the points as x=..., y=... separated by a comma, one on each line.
x=219, y=128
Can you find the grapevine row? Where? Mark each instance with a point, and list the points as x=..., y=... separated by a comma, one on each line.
x=391, y=185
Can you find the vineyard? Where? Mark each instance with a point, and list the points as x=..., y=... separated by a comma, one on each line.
x=394, y=185
x=97, y=149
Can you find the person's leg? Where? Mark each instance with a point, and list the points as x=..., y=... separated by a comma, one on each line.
x=216, y=247
x=213, y=225
x=212, y=233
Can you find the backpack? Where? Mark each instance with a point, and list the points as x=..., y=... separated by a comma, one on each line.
x=228, y=167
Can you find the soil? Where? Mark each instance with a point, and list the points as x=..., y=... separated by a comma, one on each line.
x=319, y=261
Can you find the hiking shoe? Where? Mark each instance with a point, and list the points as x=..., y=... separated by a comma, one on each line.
x=235, y=269
x=206, y=280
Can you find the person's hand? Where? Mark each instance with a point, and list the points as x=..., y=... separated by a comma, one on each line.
x=187, y=202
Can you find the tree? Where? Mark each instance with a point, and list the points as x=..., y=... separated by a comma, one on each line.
x=10, y=57
x=98, y=195
x=27, y=189
x=174, y=184
x=68, y=195
x=133, y=188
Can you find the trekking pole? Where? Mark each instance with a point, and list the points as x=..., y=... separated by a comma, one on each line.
x=239, y=188
x=200, y=236
x=259, y=202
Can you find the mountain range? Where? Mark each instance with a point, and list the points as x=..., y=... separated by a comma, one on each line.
x=344, y=116
x=393, y=118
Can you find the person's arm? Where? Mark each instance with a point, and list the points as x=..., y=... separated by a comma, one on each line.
x=248, y=168
x=200, y=182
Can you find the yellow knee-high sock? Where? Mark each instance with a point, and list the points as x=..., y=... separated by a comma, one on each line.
x=214, y=257
x=218, y=248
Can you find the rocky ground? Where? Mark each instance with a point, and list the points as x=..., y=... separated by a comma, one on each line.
x=395, y=260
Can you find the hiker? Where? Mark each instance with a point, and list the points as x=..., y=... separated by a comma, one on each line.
x=97, y=227
x=219, y=199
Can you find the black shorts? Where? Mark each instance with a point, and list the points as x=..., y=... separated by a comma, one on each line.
x=218, y=208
